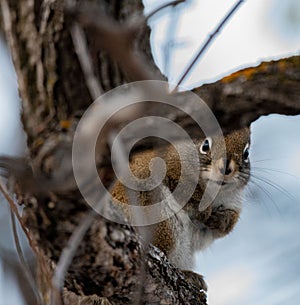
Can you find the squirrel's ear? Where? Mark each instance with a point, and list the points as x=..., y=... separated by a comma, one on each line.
x=247, y=132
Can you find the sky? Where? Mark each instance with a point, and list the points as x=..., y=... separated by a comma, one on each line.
x=257, y=263
x=10, y=127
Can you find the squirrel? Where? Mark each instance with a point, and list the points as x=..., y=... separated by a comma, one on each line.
x=191, y=229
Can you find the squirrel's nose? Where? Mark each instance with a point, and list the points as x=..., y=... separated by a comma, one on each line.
x=227, y=167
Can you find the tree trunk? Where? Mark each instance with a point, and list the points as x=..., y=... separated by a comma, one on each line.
x=111, y=265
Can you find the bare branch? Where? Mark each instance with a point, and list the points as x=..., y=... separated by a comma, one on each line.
x=85, y=61
x=208, y=41
x=25, y=266
x=13, y=207
x=160, y=8
x=13, y=215
x=67, y=255
x=239, y=99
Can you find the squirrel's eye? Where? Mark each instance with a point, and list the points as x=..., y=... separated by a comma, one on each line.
x=246, y=153
x=206, y=146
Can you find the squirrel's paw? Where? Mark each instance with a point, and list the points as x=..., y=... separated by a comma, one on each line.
x=198, y=218
x=222, y=220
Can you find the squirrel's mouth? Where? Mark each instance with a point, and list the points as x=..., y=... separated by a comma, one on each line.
x=220, y=182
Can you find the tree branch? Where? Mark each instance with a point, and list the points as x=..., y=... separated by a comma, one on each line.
x=241, y=98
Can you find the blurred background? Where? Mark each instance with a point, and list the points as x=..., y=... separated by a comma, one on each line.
x=259, y=263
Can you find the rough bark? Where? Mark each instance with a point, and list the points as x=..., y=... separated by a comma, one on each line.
x=241, y=98
x=111, y=262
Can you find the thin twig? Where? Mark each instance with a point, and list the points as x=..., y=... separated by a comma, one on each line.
x=14, y=209
x=24, y=264
x=68, y=254
x=70, y=249
x=208, y=41
x=14, y=214
x=84, y=57
x=155, y=11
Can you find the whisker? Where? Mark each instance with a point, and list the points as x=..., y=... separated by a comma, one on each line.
x=276, y=171
x=267, y=193
x=274, y=185
x=261, y=160
x=269, y=159
x=250, y=194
